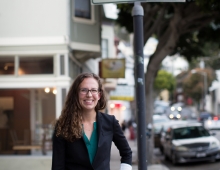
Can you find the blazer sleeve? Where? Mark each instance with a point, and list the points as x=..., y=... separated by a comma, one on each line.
x=58, y=156
x=121, y=143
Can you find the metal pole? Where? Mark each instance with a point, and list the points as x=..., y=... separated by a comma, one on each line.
x=205, y=89
x=138, y=13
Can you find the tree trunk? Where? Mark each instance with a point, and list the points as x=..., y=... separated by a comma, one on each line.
x=164, y=48
x=181, y=22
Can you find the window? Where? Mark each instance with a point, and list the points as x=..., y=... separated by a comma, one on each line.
x=83, y=11
x=190, y=132
x=7, y=66
x=6, y=110
x=35, y=65
x=104, y=48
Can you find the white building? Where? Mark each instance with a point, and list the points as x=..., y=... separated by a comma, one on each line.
x=214, y=97
x=44, y=44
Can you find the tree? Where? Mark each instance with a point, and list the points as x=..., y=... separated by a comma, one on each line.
x=164, y=80
x=193, y=84
x=210, y=62
x=180, y=28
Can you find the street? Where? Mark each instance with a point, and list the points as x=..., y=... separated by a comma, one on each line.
x=193, y=166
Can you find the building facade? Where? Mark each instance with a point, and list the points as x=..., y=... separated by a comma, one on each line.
x=43, y=46
x=213, y=100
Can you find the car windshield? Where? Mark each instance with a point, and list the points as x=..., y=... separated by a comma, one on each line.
x=190, y=132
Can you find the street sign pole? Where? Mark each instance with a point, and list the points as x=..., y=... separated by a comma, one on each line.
x=138, y=13
x=99, y=2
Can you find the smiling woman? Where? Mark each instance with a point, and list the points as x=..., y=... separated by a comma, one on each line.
x=84, y=131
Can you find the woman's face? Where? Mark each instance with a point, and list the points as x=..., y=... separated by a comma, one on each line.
x=89, y=94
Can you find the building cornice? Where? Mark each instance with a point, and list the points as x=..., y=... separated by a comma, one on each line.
x=31, y=41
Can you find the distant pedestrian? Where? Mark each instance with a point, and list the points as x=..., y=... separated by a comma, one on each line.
x=83, y=135
x=131, y=130
x=123, y=126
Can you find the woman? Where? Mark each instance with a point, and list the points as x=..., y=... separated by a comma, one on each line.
x=83, y=136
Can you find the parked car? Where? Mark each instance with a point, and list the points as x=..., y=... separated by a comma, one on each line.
x=158, y=121
x=164, y=128
x=212, y=123
x=203, y=116
x=190, y=142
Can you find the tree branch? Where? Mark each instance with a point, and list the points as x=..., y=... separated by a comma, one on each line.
x=196, y=25
x=156, y=24
x=149, y=13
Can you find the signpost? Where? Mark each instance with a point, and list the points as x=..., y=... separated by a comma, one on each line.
x=99, y=2
x=137, y=13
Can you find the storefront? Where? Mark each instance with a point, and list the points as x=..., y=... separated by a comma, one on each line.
x=33, y=86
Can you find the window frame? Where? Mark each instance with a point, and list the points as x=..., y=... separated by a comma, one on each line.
x=36, y=56
x=9, y=63
x=17, y=63
x=83, y=20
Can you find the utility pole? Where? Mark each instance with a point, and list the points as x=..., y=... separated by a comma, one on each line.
x=205, y=89
x=138, y=13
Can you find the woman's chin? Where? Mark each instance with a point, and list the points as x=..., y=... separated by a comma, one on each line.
x=88, y=108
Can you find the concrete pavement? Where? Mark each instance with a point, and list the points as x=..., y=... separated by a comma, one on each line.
x=115, y=159
x=25, y=162
x=37, y=161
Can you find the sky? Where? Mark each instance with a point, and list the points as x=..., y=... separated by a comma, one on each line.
x=111, y=11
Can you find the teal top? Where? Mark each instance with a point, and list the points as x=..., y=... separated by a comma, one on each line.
x=91, y=144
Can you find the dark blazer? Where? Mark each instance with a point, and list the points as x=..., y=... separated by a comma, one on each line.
x=74, y=155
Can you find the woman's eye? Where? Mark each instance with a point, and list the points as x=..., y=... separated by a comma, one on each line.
x=94, y=91
x=83, y=90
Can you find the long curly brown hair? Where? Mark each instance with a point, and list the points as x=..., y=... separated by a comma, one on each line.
x=69, y=124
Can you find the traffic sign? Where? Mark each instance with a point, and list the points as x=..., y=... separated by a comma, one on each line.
x=99, y=2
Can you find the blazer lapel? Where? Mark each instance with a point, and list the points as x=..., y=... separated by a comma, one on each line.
x=99, y=130
x=99, y=127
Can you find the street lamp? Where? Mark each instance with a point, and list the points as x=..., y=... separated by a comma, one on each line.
x=204, y=74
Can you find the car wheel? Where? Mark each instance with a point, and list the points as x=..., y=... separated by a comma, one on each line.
x=213, y=160
x=166, y=157
x=173, y=159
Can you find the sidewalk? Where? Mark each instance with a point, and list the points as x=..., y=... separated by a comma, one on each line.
x=115, y=159
x=25, y=162
x=40, y=162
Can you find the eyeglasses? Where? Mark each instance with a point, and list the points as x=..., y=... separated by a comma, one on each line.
x=86, y=91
